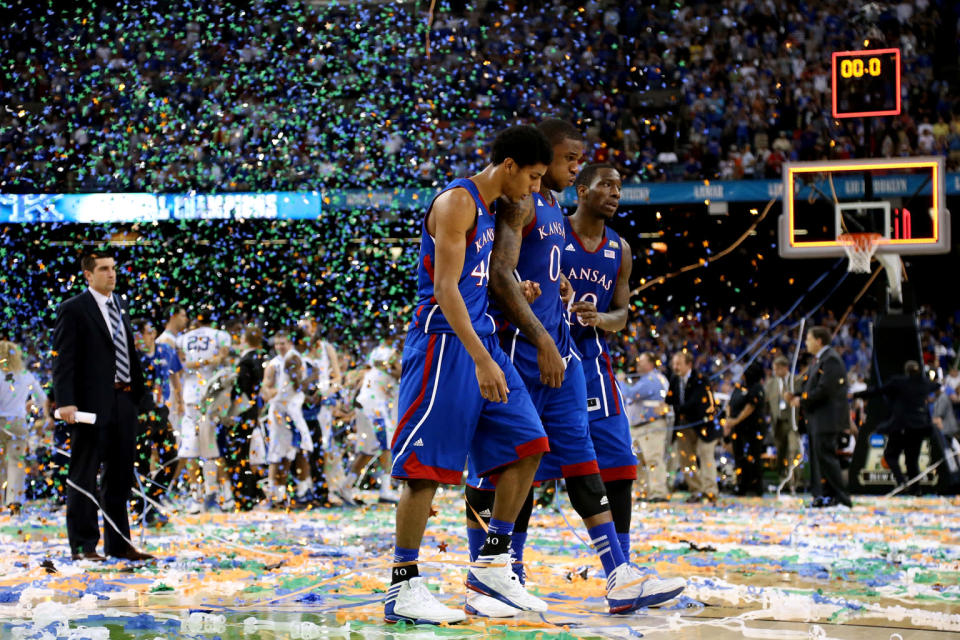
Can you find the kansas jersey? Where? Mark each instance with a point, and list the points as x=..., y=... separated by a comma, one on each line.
x=540, y=261
x=561, y=410
x=593, y=276
x=474, y=278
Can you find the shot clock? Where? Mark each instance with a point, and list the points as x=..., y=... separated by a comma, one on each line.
x=866, y=83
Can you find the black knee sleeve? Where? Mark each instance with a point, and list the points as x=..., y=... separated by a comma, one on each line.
x=586, y=495
x=620, y=495
x=480, y=501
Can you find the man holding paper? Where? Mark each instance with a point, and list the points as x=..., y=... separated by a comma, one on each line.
x=96, y=370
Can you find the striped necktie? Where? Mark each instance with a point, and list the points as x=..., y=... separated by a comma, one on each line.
x=119, y=344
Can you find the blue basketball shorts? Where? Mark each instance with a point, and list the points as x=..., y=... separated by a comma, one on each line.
x=564, y=416
x=609, y=426
x=444, y=420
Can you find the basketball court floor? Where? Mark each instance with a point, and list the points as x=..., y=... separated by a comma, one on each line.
x=757, y=568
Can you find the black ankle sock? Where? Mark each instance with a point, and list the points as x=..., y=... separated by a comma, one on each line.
x=495, y=544
x=399, y=574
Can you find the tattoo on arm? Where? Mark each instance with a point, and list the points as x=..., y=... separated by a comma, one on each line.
x=504, y=287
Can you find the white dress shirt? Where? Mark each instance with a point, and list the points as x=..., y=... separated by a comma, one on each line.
x=102, y=303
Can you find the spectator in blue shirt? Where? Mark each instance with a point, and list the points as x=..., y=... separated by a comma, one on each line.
x=161, y=376
x=647, y=411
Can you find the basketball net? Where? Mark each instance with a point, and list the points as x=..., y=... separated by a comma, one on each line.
x=861, y=248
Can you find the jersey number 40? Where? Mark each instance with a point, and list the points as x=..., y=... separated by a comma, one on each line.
x=482, y=272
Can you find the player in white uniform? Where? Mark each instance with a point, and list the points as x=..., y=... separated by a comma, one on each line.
x=20, y=394
x=323, y=359
x=176, y=322
x=377, y=400
x=325, y=365
x=217, y=406
x=287, y=432
x=201, y=351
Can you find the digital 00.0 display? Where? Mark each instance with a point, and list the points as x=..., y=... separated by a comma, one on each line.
x=866, y=83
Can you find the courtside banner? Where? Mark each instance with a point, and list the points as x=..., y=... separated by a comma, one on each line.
x=149, y=207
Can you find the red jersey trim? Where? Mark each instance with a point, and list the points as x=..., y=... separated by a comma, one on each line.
x=412, y=409
x=613, y=381
x=417, y=470
x=600, y=246
x=619, y=473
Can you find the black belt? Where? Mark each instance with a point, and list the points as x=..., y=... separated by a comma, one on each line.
x=122, y=386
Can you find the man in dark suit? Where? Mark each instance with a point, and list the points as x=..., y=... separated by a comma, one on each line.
x=824, y=403
x=692, y=402
x=96, y=369
x=244, y=396
x=909, y=422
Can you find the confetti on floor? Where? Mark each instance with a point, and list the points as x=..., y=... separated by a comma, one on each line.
x=757, y=568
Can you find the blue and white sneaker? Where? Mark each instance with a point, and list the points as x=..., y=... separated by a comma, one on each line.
x=628, y=589
x=411, y=601
x=487, y=607
x=497, y=580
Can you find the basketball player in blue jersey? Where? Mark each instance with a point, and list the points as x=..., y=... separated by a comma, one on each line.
x=529, y=248
x=597, y=263
x=460, y=395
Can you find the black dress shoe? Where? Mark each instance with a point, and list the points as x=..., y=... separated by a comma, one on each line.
x=133, y=554
x=92, y=556
x=816, y=503
x=827, y=502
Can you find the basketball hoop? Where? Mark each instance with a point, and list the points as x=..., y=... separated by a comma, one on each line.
x=860, y=248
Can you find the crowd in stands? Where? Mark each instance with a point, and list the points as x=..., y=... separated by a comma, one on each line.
x=294, y=96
